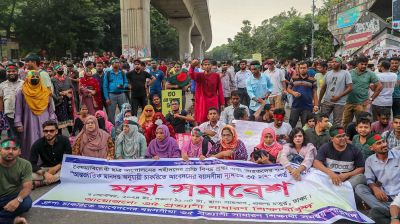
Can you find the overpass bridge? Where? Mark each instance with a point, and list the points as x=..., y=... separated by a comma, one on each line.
x=191, y=18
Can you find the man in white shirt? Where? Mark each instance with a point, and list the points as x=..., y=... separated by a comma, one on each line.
x=241, y=81
x=384, y=101
x=213, y=126
x=277, y=77
x=281, y=128
x=227, y=115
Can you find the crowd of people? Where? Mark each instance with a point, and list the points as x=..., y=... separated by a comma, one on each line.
x=343, y=119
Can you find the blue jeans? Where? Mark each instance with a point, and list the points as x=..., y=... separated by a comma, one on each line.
x=8, y=217
x=116, y=99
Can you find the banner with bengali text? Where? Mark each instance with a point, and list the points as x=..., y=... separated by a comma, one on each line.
x=210, y=189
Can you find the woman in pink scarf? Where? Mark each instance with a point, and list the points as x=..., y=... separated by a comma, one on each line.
x=93, y=141
x=193, y=148
x=269, y=144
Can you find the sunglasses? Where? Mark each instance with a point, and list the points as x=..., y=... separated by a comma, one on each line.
x=148, y=110
x=49, y=131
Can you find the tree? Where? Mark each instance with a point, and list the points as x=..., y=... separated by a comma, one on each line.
x=164, y=38
x=283, y=36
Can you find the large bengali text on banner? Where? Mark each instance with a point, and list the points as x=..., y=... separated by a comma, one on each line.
x=210, y=189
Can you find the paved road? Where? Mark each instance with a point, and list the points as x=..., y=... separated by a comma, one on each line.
x=58, y=216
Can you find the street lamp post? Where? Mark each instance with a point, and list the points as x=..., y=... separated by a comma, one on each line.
x=305, y=51
x=312, y=31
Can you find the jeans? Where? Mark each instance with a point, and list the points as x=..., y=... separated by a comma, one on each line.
x=337, y=109
x=297, y=113
x=116, y=99
x=396, y=106
x=380, y=215
x=244, y=97
x=8, y=217
x=365, y=193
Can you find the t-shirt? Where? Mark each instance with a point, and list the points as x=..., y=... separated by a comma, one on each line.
x=276, y=76
x=396, y=93
x=156, y=87
x=319, y=77
x=361, y=83
x=177, y=123
x=306, y=87
x=389, y=81
x=281, y=132
x=336, y=84
x=138, y=82
x=12, y=178
x=340, y=162
x=364, y=148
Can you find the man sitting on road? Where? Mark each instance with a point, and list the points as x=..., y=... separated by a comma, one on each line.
x=339, y=160
x=50, y=149
x=15, y=183
x=382, y=172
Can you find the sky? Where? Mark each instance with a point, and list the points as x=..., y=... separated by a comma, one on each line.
x=227, y=15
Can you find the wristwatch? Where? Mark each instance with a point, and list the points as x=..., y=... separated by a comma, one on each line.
x=394, y=217
x=370, y=99
x=19, y=199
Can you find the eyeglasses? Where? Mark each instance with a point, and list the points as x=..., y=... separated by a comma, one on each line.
x=49, y=131
x=174, y=104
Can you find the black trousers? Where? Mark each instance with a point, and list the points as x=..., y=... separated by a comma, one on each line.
x=137, y=102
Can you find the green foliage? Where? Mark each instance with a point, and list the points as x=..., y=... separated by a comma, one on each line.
x=164, y=38
x=77, y=25
x=282, y=36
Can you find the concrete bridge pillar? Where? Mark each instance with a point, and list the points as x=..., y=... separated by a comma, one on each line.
x=184, y=27
x=135, y=27
x=197, y=48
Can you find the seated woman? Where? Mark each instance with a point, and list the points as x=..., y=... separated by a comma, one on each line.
x=103, y=121
x=229, y=147
x=269, y=144
x=297, y=151
x=156, y=102
x=146, y=118
x=119, y=118
x=119, y=129
x=80, y=120
x=93, y=141
x=195, y=147
x=158, y=119
x=130, y=143
x=163, y=146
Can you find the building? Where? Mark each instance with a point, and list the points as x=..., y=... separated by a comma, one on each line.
x=362, y=26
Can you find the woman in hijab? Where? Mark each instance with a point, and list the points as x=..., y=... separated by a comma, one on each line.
x=146, y=118
x=268, y=144
x=93, y=141
x=63, y=99
x=163, y=146
x=130, y=143
x=229, y=147
x=195, y=147
x=119, y=118
x=89, y=89
x=158, y=119
x=298, y=151
x=103, y=121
